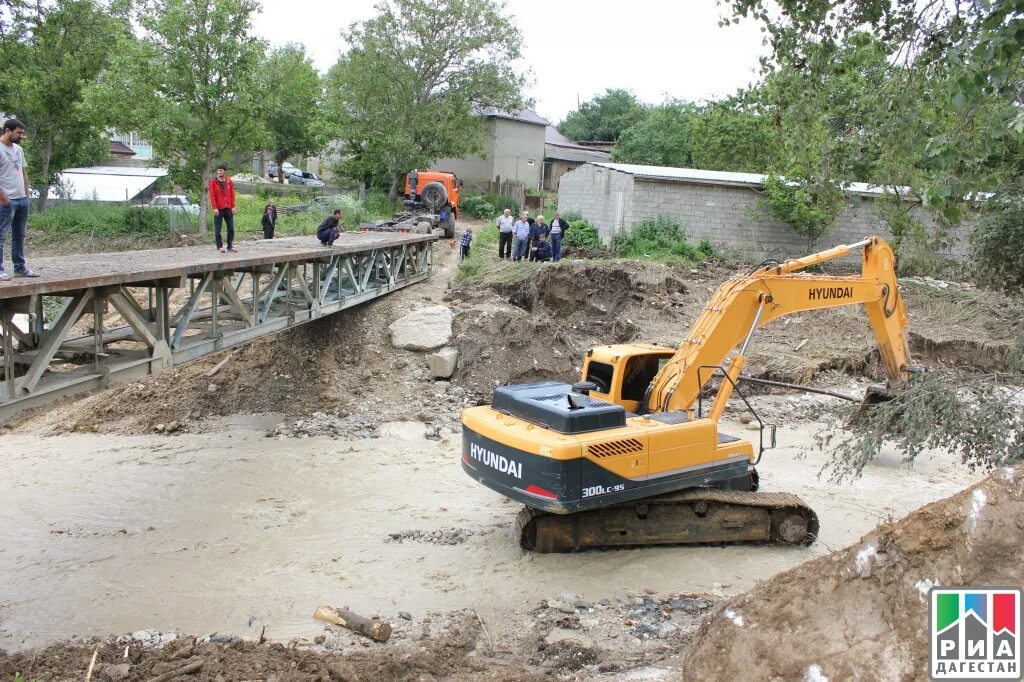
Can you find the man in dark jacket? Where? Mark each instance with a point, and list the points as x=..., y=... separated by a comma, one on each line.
x=537, y=228
x=329, y=229
x=542, y=251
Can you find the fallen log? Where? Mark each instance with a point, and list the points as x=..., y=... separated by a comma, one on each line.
x=378, y=630
x=189, y=669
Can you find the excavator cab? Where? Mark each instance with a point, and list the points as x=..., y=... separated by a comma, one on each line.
x=622, y=373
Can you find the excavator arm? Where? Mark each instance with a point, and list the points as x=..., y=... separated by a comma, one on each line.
x=746, y=302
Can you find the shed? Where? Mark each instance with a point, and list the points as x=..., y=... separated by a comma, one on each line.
x=722, y=207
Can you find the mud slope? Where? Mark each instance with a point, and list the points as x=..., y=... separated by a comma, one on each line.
x=862, y=613
x=529, y=322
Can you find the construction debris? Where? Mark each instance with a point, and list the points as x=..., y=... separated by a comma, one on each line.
x=377, y=630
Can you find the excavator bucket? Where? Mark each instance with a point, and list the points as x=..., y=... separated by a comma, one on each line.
x=875, y=394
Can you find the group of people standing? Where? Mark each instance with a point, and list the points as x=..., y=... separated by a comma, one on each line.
x=530, y=238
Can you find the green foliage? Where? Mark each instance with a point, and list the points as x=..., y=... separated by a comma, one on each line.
x=483, y=264
x=487, y=206
x=192, y=84
x=98, y=220
x=735, y=134
x=604, y=117
x=977, y=418
x=810, y=211
x=377, y=204
x=476, y=206
x=998, y=247
x=59, y=49
x=898, y=92
x=661, y=239
x=581, y=234
x=404, y=93
x=290, y=100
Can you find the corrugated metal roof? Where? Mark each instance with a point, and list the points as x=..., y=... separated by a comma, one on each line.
x=696, y=175
x=524, y=115
x=573, y=153
x=119, y=170
x=108, y=183
x=552, y=136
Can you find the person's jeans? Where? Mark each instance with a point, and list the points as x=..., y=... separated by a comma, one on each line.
x=556, y=246
x=520, y=250
x=328, y=235
x=228, y=217
x=14, y=219
x=505, y=245
x=465, y=251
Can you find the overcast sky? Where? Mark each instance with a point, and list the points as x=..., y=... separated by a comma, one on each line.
x=575, y=49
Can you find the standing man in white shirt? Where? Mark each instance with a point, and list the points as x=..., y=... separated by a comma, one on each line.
x=558, y=229
x=505, y=235
x=13, y=198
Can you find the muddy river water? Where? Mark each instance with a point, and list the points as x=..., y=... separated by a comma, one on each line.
x=233, y=531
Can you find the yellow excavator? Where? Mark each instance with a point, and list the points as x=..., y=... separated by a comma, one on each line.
x=630, y=456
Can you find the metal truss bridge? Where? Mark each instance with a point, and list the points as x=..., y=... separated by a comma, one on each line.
x=96, y=318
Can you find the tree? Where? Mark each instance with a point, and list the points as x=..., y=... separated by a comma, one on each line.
x=945, y=119
x=291, y=95
x=946, y=113
x=413, y=81
x=190, y=86
x=603, y=118
x=728, y=135
x=59, y=50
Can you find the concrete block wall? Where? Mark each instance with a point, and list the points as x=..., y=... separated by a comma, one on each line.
x=728, y=216
x=593, y=192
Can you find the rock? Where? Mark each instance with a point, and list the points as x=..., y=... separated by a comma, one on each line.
x=320, y=639
x=581, y=604
x=442, y=363
x=605, y=602
x=342, y=672
x=211, y=388
x=142, y=636
x=564, y=634
x=117, y=671
x=567, y=597
x=424, y=329
x=667, y=631
x=405, y=615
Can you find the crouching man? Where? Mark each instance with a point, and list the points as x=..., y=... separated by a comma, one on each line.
x=329, y=229
x=542, y=251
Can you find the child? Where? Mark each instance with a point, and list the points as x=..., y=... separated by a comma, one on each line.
x=467, y=237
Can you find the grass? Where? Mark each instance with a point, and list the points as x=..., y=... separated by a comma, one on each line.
x=483, y=264
x=116, y=227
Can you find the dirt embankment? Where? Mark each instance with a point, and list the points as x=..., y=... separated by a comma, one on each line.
x=862, y=613
x=518, y=329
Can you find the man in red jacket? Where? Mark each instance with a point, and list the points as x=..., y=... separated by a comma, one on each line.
x=222, y=200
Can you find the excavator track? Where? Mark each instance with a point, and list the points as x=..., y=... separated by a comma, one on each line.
x=694, y=516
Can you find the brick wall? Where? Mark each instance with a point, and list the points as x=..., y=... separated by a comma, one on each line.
x=728, y=216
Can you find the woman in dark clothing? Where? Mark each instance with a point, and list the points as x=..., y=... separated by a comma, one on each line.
x=269, y=221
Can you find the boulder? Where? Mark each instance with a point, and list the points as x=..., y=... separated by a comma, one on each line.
x=442, y=363
x=424, y=329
